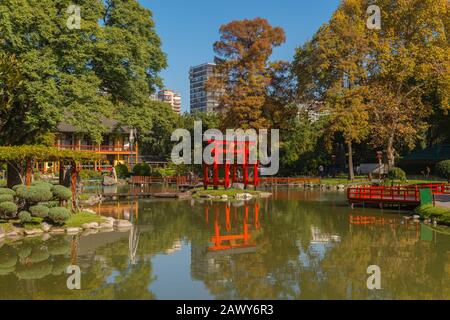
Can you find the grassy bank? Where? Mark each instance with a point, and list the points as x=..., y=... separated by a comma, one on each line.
x=230, y=193
x=442, y=215
x=75, y=221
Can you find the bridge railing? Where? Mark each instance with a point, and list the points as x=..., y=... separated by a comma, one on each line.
x=397, y=193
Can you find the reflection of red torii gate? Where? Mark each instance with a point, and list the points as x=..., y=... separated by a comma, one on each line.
x=239, y=149
x=244, y=238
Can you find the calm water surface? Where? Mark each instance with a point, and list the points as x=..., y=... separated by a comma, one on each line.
x=297, y=245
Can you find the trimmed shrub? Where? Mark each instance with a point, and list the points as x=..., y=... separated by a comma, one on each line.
x=142, y=169
x=25, y=217
x=42, y=184
x=443, y=169
x=3, y=183
x=8, y=208
x=86, y=174
x=17, y=186
x=61, y=192
x=51, y=204
x=40, y=211
x=7, y=191
x=122, y=171
x=396, y=174
x=59, y=215
x=34, y=194
x=6, y=198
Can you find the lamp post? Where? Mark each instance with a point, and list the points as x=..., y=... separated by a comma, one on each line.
x=132, y=138
x=380, y=159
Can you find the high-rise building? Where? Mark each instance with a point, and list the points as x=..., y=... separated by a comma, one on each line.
x=201, y=99
x=172, y=98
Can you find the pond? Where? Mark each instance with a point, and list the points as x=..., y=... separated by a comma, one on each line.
x=297, y=245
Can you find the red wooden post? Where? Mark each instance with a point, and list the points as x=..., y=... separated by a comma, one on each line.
x=28, y=173
x=227, y=175
x=255, y=175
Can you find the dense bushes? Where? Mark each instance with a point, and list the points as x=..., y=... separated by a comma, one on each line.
x=3, y=183
x=8, y=209
x=59, y=215
x=61, y=192
x=396, y=174
x=6, y=198
x=40, y=211
x=90, y=174
x=7, y=191
x=122, y=171
x=34, y=194
x=443, y=169
x=25, y=217
x=142, y=169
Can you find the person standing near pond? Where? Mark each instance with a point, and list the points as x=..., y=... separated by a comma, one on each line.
x=321, y=169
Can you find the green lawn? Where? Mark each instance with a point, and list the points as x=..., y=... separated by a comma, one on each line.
x=78, y=219
x=217, y=193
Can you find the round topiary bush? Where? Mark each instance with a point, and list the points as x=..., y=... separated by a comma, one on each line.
x=39, y=211
x=17, y=186
x=59, y=215
x=122, y=171
x=25, y=217
x=396, y=174
x=443, y=169
x=7, y=191
x=8, y=209
x=34, y=194
x=43, y=184
x=61, y=192
x=6, y=198
x=142, y=169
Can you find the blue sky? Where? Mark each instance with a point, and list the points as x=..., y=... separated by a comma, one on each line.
x=188, y=29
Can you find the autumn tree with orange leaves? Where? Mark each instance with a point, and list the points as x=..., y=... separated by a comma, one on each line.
x=243, y=72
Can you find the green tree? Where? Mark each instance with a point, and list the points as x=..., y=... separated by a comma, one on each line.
x=108, y=68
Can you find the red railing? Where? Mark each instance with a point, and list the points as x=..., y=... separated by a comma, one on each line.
x=95, y=148
x=287, y=181
x=164, y=180
x=400, y=194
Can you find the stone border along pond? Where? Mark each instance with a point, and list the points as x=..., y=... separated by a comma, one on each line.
x=108, y=224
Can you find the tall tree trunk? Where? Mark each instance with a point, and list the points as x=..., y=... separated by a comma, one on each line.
x=13, y=176
x=351, y=173
x=390, y=153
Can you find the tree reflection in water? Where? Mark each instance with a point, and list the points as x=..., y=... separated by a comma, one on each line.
x=290, y=247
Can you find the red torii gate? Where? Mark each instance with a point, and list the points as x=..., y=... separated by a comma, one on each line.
x=222, y=148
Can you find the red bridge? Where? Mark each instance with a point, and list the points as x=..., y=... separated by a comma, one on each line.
x=400, y=196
